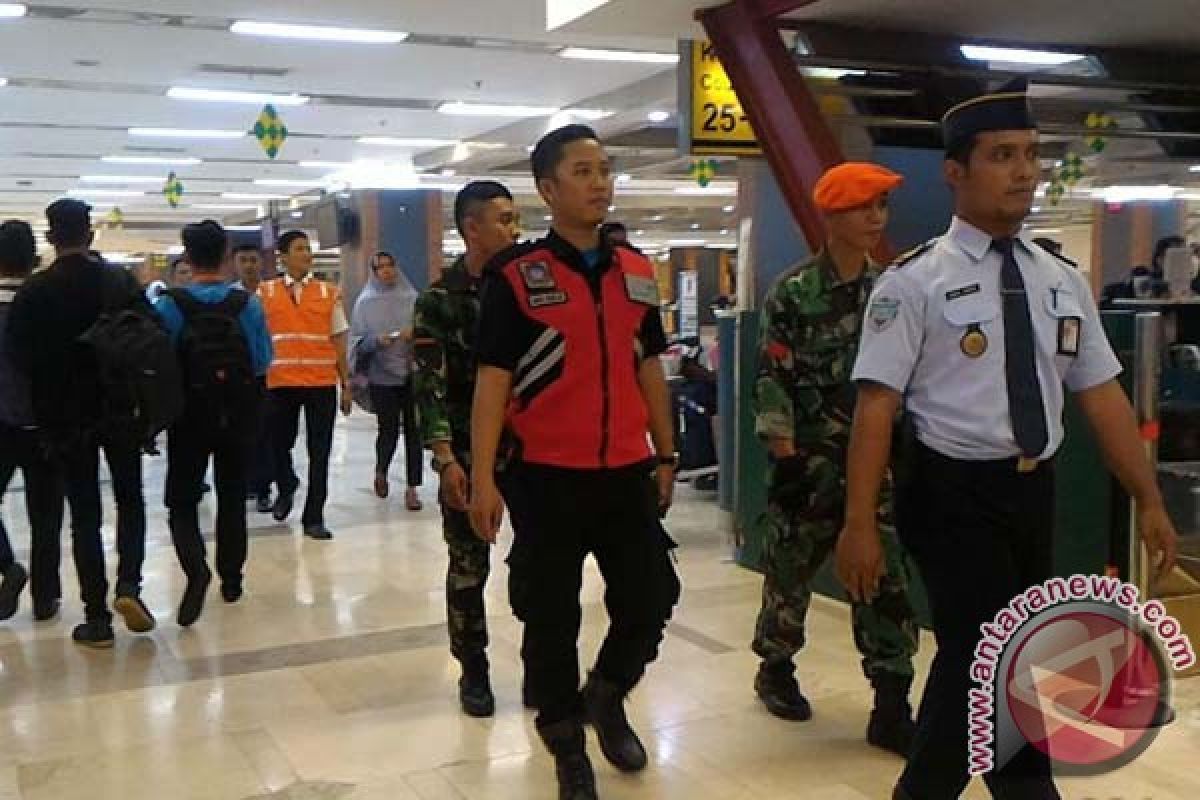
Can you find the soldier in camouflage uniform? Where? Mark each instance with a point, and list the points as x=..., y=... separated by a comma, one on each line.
x=444, y=348
x=805, y=403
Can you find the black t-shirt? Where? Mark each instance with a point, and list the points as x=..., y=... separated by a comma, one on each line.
x=506, y=333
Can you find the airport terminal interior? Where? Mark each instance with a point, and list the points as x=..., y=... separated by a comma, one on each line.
x=358, y=122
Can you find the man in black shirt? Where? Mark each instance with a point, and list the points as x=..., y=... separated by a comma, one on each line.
x=48, y=316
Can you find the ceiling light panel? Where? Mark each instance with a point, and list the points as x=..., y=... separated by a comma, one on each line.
x=495, y=110
x=1016, y=55
x=185, y=133
x=153, y=161
x=230, y=96
x=395, y=141
x=628, y=56
x=13, y=10
x=319, y=33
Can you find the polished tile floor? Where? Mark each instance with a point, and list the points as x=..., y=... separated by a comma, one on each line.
x=331, y=679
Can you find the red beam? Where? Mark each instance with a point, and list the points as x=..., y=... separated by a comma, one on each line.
x=770, y=9
x=793, y=133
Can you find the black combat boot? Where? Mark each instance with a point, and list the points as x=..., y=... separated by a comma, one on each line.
x=605, y=705
x=475, y=689
x=891, y=727
x=775, y=685
x=566, y=742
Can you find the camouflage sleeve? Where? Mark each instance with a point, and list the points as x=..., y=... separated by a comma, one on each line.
x=774, y=414
x=429, y=353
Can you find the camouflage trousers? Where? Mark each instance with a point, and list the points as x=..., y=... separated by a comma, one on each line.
x=466, y=577
x=801, y=528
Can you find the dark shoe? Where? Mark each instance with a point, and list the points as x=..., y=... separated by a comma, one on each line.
x=412, y=501
x=11, y=584
x=231, y=592
x=604, y=703
x=475, y=690
x=192, y=604
x=381, y=486
x=891, y=726
x=566, y=742
x=318, y=532
x=138, y=618
x=283, y=505
x=262, y=503
x=205, y=487
x=46, y=610
x=96, y=634
x=776, y=686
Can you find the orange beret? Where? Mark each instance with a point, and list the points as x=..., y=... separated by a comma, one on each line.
x=853, y=184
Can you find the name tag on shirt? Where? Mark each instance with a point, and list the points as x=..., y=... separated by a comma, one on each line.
x=963, y=291
x=543, y=299
x=1068, y=336
x=642, y=290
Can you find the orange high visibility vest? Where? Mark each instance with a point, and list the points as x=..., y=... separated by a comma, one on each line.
x=300, y=332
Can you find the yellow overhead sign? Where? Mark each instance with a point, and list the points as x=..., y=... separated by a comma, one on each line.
x=717, y=123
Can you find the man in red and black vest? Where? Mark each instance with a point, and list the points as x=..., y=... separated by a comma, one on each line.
x=569, y=340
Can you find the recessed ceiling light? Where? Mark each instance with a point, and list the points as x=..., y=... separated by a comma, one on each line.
x=729, y=209
x=186, y=133
x=105, y=193
x=1129, y=194
x=395, y=141
x=297, y=214
x=612, y=209
x=724, y=231
x=449, y=173
x=1194, y=169
x=830, y=73
x=3, y=81
x=320, y=33
x=707, y=190
x=639, y=232
x=1016, y=55
x=495, y=110
x=224, y=96
x=153, y=160
x=687, y=242
x=624, y=177
x=252, y=196
x=12, y=10
x=547, y=218
x=287, y=182
x=656, y=218
x=1045, y=231
x=632, y=56
x=658, y=116
x=120, y=179
x=590, y=114
x=695, y=226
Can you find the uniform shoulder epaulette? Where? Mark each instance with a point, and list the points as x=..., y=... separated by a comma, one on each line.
x=1058, y=255
x=913, y=255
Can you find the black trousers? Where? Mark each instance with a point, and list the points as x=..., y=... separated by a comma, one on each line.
x=260, y=458
x=980, y=533
x=319, y=405
x=43, y=504
x=559, y=517
x=190, y=443
x=392, y=405
x=82, y=463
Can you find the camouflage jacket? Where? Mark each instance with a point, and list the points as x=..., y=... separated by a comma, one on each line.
x=444, y=324
x=811, y=324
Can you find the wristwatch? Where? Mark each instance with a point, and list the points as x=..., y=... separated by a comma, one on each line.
x=671, y=461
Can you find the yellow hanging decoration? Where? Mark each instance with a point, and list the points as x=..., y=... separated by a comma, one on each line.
x=703, y=171
x=270, y=131
x=173, y=190
x=114, y=219
x=1098, y=123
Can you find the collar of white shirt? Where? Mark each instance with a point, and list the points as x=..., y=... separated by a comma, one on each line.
x=289, y=281
x=976, y=243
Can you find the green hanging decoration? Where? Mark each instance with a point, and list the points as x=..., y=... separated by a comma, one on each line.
x=1056, y=190
x=173, y=190
x=1098, y=123
x=703, y=170
x=1070, y=172
x=115, y=219
x=270, y=131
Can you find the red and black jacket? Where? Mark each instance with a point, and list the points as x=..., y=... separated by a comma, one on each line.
x=574, y=338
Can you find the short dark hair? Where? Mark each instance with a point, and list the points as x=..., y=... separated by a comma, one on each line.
x=18, y=249
x=70, y=222
x=247, y=248
x=205, y=244
x=961, y=149
x=548, y=153
x=473, y=197
x=285, y=241
x=173, y=267
x=1163, y=245
x=381, y=254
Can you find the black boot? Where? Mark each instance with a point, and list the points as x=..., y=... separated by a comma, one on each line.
x=566, y=742
x=775, y=685
x=605, y=705
x=475, y=690
x=891, y=727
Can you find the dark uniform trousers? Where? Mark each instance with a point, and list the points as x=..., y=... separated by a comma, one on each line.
x=191, y=441
x=320, y=412
x=980, y=533
x=43, y=503
x=466, y=577
x=559, y=516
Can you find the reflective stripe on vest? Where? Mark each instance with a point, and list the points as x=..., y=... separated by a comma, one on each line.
x=305, y=354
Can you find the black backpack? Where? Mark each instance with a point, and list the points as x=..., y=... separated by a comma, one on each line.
x=218, y=370
x=136, y=370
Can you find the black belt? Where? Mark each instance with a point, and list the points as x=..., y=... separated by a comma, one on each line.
x=1019, y=464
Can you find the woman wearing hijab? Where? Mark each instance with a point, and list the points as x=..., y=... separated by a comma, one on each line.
x=381, y=334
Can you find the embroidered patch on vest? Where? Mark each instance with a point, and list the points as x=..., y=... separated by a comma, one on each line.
x=543, y=299
x=642, y=290
x=537, y=275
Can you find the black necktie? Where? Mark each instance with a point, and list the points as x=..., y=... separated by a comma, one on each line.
x=1025, y=404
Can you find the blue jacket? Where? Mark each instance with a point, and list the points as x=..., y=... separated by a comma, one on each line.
x=252, y=319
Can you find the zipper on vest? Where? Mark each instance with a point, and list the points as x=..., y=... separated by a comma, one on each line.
x=597, y=287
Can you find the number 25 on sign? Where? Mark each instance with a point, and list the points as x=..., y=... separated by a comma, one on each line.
x=718, y=123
